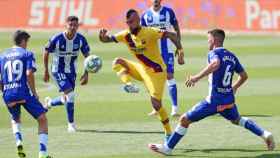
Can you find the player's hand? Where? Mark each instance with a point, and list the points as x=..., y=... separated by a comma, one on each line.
x=46, y=76
x=102, y=34
x=180, y=54
x=84, y=79
x=191, y=80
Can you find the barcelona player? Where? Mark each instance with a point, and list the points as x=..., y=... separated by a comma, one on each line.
x=222, y=64
x=163, y=17
x=17, y=67
x=150, y=67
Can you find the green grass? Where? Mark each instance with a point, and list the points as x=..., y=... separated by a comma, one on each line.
x=114, y=124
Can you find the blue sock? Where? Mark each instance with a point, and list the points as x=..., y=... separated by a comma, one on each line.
x=172, y=87
x=43, y=142
x=57, y=101
x=251, y=126
x=70, y=111
x=178, y=134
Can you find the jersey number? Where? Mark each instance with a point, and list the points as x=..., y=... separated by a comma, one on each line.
x=227, y=77
x=14, y=68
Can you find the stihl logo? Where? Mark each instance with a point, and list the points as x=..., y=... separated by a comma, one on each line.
x=54, y=13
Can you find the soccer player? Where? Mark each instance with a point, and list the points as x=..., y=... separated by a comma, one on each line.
x=220, y=69
x=17, y=67
x=150, y=68
x=65, y=47
x=164, y=18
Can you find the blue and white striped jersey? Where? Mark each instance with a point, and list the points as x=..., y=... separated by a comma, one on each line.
x=65, y=52
x=163, y=19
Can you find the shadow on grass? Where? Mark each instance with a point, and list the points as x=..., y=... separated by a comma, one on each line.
x=257, y=115
x=212, y=151
x=119, y=131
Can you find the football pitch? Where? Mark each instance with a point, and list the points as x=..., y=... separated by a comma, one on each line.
x=113, y=124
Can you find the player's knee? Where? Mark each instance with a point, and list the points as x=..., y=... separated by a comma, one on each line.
x=184, y=121
x=70, y=97
x=42, y=119
x=156, y=103
x=170, y=76
x=236, y=121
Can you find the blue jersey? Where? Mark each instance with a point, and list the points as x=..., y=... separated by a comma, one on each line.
x=164, y=19
x=220, y=81
x=65, y=52
x=14, y=63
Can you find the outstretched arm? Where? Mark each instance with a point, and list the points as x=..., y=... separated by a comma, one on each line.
x=104, y=37
x=210, y=68
x=177, y=42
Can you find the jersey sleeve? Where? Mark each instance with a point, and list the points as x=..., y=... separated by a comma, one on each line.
x=238, y=67
x=50, y=46
x=85, y=47
x=30, y=62
x=212, y=56
x=119, y=37
x=143, y=21
x=173, y=19
x=156, y=33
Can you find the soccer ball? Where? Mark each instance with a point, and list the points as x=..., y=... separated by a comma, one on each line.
x=93, y=63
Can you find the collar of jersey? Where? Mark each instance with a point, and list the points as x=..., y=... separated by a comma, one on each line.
x=64, y=35
x=152, y=9
x=219, y=48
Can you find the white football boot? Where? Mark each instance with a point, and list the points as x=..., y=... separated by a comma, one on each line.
x=160, y=148
x=72, y=128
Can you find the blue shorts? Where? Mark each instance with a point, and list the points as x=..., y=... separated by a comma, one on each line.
x=204, y=109
x=32, y=105
x=65, y=81
x=168, y=59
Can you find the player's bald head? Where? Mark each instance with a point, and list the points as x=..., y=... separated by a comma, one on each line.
x=218, y=34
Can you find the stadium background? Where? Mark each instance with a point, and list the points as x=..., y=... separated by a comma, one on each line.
x=115, y=124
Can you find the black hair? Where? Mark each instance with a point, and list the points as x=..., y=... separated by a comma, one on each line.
x=72, y=18
x=218, y=33
x=20, y=35
x=130, y=12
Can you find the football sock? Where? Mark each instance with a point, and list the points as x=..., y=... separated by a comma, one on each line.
x=17, y=132
x=251, y=126
x=57, y=101
x=165, y=121
x=43, y=141
x=172, y=87
x=121, y=72
x=178, y=134
x=70, y=111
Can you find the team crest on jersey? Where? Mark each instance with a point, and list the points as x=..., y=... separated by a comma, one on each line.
x=61, y=83
x=162, y=18
x=76, y=46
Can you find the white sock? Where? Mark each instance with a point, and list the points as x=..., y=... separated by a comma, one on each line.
x=266, y=134
x=16, y=127
x=43, y=140
x=181, y=130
